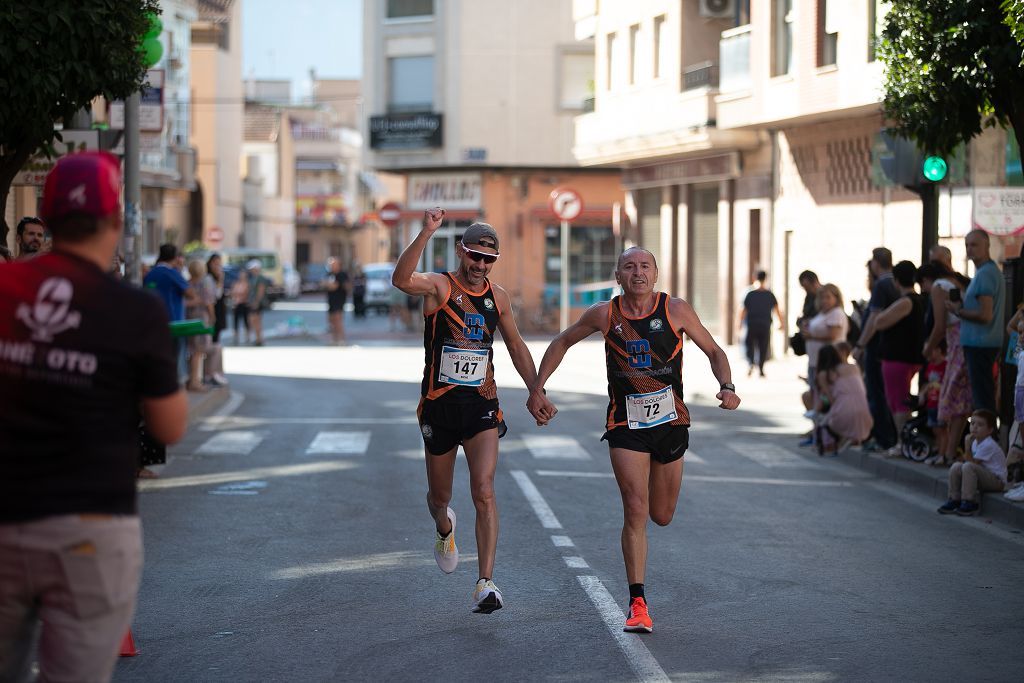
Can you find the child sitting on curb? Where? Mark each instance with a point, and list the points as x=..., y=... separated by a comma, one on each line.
x=983, y=468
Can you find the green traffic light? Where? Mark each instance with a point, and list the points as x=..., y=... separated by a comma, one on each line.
x=934, y=168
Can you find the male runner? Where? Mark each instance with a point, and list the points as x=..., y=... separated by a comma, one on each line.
x=459, y=403
x=647, y=420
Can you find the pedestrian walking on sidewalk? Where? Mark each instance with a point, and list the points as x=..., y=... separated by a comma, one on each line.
x=647, y=422
x=459, y=398
x=84, y=355
x=758, y=305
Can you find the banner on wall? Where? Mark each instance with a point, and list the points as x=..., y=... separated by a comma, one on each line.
x=998, y=210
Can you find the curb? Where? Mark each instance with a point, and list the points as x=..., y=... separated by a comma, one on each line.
x=932, y=483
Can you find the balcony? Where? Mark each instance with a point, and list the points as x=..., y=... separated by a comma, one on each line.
x=734, y=58
x=700, y=75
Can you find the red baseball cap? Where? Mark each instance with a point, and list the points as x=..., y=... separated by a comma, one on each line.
x=86, y=182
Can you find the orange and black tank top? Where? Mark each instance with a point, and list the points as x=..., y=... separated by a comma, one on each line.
x=644, y=357
x=457, y=339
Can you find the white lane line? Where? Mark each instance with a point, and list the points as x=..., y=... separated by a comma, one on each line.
x=236, y=421
x=692, y=458
x=705, y=478
x=555, y=446
x=562, y=541
x=540, y=507
x=243, y=475
x=640, y=659
x=768, y=455
x=575, y=562
x=232, y=443
x=341, y=443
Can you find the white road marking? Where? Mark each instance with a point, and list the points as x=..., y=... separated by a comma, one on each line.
x=640, y=659
x=233, y=443
x=298, y=306
x=562, y=541
x=237, y=421
x=768, y=455
x=705, y=478
x=343, y=443
x=555, y=446
x=243, y=475
x=540, y=507
x=241, y=488
x=692, y=458
x=403, y=558
x=576, y=562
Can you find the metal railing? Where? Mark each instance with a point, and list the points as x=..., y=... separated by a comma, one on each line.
x=700, y=75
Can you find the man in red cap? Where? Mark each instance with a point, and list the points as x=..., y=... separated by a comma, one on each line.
x=82, y=358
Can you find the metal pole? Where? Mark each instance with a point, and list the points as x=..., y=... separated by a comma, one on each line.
x=563, y=319
x=132, y=190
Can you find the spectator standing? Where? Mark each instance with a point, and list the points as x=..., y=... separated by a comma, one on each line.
x=955, y=393
x=70, y=538
x=166, y=280
x=214, y=282
x=930, y=392
x=201, y=308
x=883, y=293
x=337, y=286
x=31, y=237
x=900, y=328
x=983, y=468
x=757, y=309
x=359, y=291
x=810, y=284
x=240, y=304
x=981, y=333
x=258, y=298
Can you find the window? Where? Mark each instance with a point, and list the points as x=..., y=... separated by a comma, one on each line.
x=592, y=259
x=661, y=46
x=577, y=80
x=828, y=32
x=613, y=59
x=634, y=54
x=411, y=84
x=782, y=37
x=404, y=9
x=878, y=10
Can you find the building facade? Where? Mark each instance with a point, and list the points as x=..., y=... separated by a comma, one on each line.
x=472, y=102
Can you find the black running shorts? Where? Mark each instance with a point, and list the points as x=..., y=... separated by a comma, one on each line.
x=446, y=424
x=665, y=443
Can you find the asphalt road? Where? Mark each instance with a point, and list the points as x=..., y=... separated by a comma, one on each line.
x=288, y=540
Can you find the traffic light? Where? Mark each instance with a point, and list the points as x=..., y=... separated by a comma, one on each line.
x=934, y=168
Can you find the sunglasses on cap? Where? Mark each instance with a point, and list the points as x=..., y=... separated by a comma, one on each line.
x=478, y=256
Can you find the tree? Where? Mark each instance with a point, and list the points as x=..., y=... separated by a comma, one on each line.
x=56, y=57
x=953, y=67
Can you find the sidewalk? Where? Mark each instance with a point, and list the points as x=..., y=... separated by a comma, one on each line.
x=781, y=390
x=202, y=405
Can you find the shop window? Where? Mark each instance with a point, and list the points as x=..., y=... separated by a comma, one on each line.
x=592, y=258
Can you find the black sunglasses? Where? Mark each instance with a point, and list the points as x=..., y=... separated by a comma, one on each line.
x=479, y=255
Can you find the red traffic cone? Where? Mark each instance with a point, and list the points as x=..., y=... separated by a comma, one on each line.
x=128, y=648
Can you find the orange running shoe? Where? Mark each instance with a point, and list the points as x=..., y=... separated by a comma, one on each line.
x=639, y=620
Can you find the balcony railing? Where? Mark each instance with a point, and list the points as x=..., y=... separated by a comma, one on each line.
x=701, y=75
x=734, y=58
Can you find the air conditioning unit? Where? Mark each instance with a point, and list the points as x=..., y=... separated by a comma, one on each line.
x=718, y=9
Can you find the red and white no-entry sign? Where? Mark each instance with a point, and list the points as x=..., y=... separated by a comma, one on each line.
x=390, y=214
x=214, y=235
x=566, y=204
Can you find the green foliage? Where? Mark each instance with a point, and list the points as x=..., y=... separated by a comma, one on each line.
x=55, y=58
x=952, y=68
x=1014, y=19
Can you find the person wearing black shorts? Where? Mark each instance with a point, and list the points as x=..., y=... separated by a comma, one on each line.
x=459, y=398
x=337, y=296
x=647, y=422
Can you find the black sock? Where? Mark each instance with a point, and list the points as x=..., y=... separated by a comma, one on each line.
x=483, y=578
x=636, y=590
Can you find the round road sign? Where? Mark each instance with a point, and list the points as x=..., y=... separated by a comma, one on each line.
x=390, y=214
x=566, y=204
x=214, y=235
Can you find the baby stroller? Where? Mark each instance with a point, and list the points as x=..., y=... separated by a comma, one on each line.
x=917, y=438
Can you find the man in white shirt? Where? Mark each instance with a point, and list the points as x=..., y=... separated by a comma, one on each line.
x=983, y=470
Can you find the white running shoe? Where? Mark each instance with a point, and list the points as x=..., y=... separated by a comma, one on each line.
x=1015, y=494
x=486, y=597
x=445, y=552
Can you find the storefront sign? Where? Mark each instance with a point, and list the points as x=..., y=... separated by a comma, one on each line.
x=405, y=131
x=449, y=191
x=700, y=170
x=999, y=210
x=35, y=169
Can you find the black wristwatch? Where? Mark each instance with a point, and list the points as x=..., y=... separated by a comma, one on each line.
x=728, y=386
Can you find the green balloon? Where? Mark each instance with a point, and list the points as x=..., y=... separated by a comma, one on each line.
x=156, y=26
x=152, y=51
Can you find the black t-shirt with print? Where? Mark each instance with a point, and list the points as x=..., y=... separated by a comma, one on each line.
x=336, y=297
x=78, y=350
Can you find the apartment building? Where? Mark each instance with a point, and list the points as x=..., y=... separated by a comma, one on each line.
x=473, y=102
x=749, y=136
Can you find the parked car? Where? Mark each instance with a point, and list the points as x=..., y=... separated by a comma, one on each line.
x=292, y=282
x=378, y=286
x=313, y=276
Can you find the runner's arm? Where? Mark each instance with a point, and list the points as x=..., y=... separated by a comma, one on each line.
x=405, y=276
x=682, y=312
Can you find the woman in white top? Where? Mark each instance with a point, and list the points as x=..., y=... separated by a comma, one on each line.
x=828, y=326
